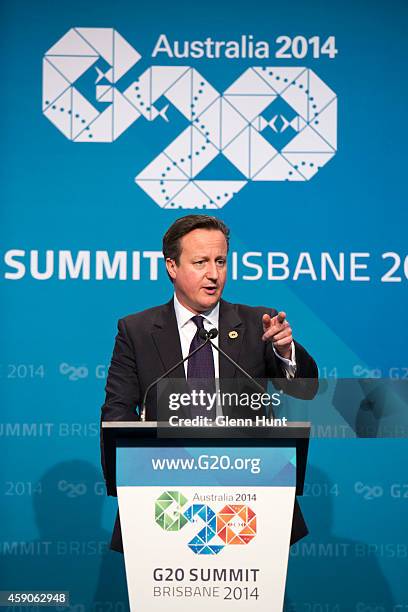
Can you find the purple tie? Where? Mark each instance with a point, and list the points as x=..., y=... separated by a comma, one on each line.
x=200, y=365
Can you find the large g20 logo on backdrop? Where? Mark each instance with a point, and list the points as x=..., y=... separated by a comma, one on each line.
x=272, y=123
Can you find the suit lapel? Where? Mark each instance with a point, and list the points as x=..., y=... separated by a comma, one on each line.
x=231, y=343
x=167, y=339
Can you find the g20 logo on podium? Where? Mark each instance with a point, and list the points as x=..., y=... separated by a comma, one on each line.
x=272, y=123
x=232, y=525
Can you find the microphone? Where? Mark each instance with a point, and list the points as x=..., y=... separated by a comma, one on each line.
x=213, y=333
x=207, y=338
x=208, y=335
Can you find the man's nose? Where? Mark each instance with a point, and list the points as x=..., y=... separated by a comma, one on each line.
x=211, y=271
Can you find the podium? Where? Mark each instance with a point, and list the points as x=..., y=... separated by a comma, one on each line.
x=206, y=513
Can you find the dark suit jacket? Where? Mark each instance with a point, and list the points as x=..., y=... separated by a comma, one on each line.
x=148, y=344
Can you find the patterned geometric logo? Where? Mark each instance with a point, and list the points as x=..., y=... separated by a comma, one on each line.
x=234, y=524
x=168, y=511
x=245, y=124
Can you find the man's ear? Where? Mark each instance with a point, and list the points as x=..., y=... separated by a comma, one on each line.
x=171, y=268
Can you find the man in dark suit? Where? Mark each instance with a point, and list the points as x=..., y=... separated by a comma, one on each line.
x=148, y=343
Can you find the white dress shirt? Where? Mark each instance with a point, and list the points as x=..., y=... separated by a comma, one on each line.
x=187, y=329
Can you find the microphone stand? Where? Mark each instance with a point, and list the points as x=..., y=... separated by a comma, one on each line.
x=179, y=363
x=239, y=368
x=207, y=336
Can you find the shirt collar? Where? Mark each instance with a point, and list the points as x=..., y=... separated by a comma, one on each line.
x=183, y=315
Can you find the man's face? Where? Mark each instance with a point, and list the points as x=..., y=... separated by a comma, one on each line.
x=200, y=275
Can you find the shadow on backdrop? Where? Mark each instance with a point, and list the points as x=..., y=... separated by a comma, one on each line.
x=324, y=572
x=71, y=551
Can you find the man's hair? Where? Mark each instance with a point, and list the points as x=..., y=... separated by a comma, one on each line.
x=185, y=225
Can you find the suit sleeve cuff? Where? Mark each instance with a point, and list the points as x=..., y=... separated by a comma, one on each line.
x=289, y=365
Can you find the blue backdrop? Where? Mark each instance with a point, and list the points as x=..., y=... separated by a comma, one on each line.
x=66, y=195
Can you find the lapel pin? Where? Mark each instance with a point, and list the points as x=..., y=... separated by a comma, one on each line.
x=233, y=334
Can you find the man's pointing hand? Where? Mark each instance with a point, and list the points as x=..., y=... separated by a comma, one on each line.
x=278, y=331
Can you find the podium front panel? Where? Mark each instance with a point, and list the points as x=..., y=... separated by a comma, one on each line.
x=206, y=526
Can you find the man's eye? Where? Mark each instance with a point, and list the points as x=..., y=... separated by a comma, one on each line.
x=220, y=262
x=199, y=263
